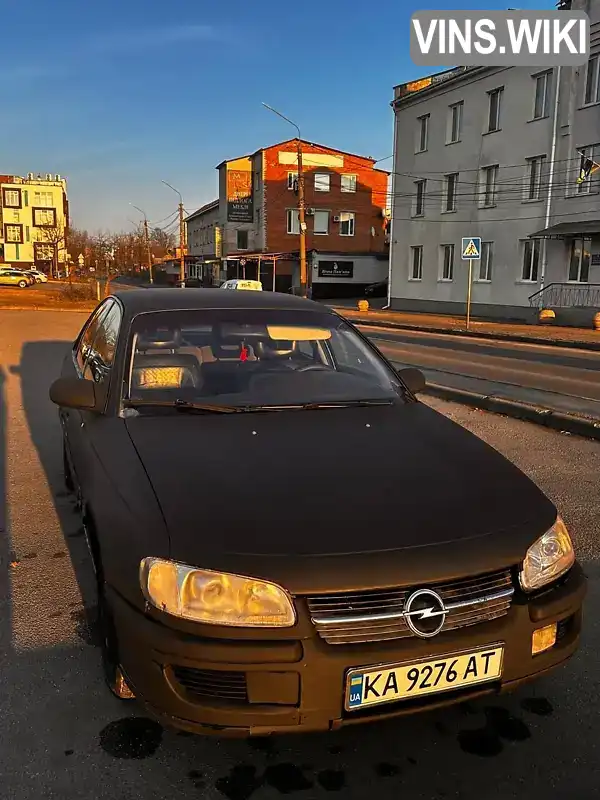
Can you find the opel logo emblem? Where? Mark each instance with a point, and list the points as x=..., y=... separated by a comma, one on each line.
x=425, y=613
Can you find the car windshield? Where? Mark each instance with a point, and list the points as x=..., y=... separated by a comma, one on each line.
x=252, y=358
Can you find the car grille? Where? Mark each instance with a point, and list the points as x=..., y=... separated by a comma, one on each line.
x=212, y=684
x=376, y=616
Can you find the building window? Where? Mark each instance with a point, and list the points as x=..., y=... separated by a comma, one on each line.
x=242, y=240
x=416, y=263
x=494, y=109
x=348, y=183
x=13, y=234
x=322, y=181
x=43, y=252
x=455, y=113
x=486, y=261
x=293, y=181
x=540, y=99
x=321, y=223
x=43, y=199
x=419, y=208
x=11, y=198
x=451, y=183
x=489, y=185
x=347, y=223
x=579, y=262
x=531, y=260
x=422, y=133
x=293, y=221
x=44, y=217
x=535, y=168
x=592, y=81
x=591, y=153
x=447, y=262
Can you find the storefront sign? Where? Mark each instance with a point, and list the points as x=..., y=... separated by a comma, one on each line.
x=595, y=259
x=336, y=269
x=239, y=191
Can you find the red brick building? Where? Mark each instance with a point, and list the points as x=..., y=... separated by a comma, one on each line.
x=257, y=219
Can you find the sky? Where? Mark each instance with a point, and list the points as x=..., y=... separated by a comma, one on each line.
x=119, y=95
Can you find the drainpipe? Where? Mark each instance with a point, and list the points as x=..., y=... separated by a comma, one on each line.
x=392, y=199
x=550, y=180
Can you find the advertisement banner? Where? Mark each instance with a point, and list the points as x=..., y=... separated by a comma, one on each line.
x=336, y=269
x=239, y=191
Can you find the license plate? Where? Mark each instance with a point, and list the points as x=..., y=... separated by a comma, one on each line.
x=383, y=684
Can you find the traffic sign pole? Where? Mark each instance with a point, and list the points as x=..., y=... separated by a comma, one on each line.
x=469, y=293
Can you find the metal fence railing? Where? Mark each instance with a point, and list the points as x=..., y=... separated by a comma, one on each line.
x=567, y=295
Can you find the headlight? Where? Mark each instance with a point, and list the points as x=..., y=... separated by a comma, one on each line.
x=215, y=598
x=549, y=558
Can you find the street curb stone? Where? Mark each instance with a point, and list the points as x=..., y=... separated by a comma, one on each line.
x=556, y=420
x=573, y=345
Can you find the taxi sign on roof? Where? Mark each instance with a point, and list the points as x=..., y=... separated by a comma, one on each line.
x=471, y=247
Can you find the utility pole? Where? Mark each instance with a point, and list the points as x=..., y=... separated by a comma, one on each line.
x=181, y=246
x=181, y=236
x=302, y=223
x=146, y=242
x=148, y=250
x=301, y=208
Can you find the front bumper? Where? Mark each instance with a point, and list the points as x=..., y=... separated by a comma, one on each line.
x=258, y=686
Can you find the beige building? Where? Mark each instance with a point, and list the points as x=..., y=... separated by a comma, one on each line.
x=34, y=221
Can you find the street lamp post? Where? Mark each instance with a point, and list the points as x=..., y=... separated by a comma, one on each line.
x=181, y=237
x=301, y=209
x=146, y=242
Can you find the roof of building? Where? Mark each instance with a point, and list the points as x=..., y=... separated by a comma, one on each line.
x=203, y=209
x=304, y=141
x=137, y=301
x=430, y=83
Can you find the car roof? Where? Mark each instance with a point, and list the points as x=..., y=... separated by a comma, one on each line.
x=137, y=301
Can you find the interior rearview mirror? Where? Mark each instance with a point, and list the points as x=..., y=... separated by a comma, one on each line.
x=74, y=393
x=413, y=379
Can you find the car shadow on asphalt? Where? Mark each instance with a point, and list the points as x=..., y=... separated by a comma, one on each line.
x=432, y=755
x=39, y=366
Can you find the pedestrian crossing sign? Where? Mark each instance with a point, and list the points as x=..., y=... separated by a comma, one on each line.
x=471, y=247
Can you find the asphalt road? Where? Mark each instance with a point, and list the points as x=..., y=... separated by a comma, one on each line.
x=63, y=736
x=554, y=377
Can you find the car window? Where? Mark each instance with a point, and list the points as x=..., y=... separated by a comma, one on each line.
x=83, y=346
x=102, y=351
x=253, y=357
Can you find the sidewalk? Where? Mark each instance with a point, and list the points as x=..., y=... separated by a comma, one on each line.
x=582, y=338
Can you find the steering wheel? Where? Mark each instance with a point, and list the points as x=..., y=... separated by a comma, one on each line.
x=312, y=367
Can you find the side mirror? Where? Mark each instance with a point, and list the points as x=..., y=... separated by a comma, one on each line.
x=413, y=379
x=75, y=393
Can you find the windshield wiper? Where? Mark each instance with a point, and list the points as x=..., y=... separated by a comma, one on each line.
x=183, y=405
x=324, y=404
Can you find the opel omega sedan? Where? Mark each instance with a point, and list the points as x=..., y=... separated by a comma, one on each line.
x=284, y=537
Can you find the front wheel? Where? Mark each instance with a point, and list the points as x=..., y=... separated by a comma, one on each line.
x=109, y=645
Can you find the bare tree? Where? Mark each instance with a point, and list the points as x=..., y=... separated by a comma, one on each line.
x=53, y=237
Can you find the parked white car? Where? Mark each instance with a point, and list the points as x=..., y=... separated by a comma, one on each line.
x=39, y=277
x=239, y=283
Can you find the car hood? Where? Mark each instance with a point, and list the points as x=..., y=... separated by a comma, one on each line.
x=377, y=493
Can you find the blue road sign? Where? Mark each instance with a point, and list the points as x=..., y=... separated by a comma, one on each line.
x=471, y=248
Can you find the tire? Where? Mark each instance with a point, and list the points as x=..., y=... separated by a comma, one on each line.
x=67, y=477
x=109, y=647
x=107, y=632
x=22, y=284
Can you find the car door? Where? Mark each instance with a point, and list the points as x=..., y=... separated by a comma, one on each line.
x=98, y=368
x=74, y=367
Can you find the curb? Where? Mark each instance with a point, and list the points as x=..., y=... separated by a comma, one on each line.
x=47, y=308
x=555, y=420
x=497, y=337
